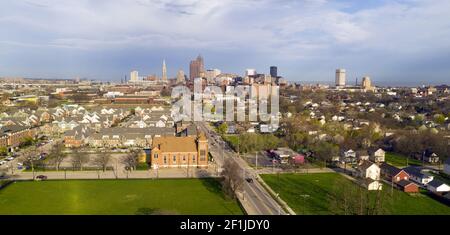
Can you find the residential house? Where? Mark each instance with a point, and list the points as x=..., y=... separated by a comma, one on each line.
x=378, y=155
x=369, y=170
x=408, y=186
x=438, y=187
x=362, y=155
x=429, y=156
x=393, y=174
x=348, y=156
x=416, y=175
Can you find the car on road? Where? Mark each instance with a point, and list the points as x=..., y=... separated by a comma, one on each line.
x=41, y=177
x=10, y=158
x=250, y=180
x=2, y=162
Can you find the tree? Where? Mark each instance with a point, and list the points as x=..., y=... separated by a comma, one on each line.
x=79, y=159
x=102, y=160
x=222, y=128
x=351, y=199
x=57, y=155
x=3, y=151
x=130, y=160
x=233, y=179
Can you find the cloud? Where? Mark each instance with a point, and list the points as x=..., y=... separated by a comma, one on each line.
x=295, y=33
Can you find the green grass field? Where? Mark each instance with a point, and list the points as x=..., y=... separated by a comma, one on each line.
x=310, y=194
x=400, y=160
x=117, y=197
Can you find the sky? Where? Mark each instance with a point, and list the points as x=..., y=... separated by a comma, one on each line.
x=392, y=41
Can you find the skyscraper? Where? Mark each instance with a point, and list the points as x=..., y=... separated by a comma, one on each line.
x=180, y=76
x=164, y=72
x=273, y=71
x=340, y=77
x=196, y=68
x=134, y=76
x=366, y=83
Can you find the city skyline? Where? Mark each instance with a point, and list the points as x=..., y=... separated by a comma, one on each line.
x=306, y=40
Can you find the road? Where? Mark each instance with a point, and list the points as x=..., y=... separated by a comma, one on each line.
x=254, y=196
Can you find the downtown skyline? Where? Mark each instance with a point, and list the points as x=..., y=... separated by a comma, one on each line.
x=402, y=41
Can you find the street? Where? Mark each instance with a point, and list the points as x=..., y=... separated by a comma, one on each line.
x=255, y=199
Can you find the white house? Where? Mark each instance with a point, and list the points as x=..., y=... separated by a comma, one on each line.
x=378, y=156
x=417, y=176
x=437, y=186
x=369, y=170
x=372, y=184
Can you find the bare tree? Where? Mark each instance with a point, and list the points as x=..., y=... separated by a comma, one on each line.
x=233, y=179
x=352, y=199
x=30, y=160
x=130, y=160
x=57, y=155
x=79, y=159
x=102, y=161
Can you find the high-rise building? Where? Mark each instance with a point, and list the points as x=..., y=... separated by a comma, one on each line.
x=180, y=76
x=134, y=76
x=196, y=68
x=340, y=77
x=164, y=72
x=366, y=83
x=273, y=71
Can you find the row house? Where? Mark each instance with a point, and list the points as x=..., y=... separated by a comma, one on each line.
x=13, y=136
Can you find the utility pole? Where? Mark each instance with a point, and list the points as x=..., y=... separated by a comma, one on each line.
x=256, y=160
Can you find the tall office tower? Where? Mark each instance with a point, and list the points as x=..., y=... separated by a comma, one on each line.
x=180, y=76
x=196, y=68
x=134, y=76
x=164, y=71
x=366, y=83
x=273, y=71
x=340, y=77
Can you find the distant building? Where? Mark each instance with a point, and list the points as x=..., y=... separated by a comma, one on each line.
x=340, y=77
x=366, y=84
x=180, y=76
x=211, y=74
x=134, y=76
x=250, y=72
x=273, y=71
x=196, y=68
x=164, y=72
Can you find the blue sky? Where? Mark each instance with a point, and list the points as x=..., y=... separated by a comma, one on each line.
x=403, y=41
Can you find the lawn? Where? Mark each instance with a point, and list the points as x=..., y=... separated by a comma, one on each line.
x=310, y=194
x=117, y=197
x=399, y=160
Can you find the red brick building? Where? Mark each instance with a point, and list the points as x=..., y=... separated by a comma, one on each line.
x=13, y=136
x=171, y=151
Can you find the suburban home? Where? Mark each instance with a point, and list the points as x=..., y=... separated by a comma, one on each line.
x=447, y=166
x=362, y=155
x=371, y=184
x=430, y=157
x=408, y=186
x=393, y=174
x=171, y=151
x=369, y=170
x=417, y=176
x=348, y=156
x=286, y=155
x=378, y=155
x=438, y=187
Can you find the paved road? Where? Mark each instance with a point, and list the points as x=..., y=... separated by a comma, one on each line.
x=254, y=197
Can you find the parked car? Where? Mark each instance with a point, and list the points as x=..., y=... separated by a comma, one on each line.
x=10, y=158
x=41, y=177
x=250, y=180
x=2, y=162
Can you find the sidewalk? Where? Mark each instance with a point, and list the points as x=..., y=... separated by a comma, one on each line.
x=149, y=174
